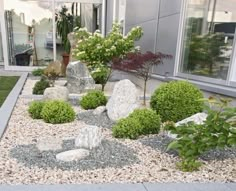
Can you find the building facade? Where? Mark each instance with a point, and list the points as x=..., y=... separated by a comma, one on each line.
x=199, y=34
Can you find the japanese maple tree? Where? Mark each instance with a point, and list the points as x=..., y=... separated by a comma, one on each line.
x=141, y=64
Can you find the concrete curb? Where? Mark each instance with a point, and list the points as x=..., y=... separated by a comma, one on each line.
x=124, y=187
x=9, y=103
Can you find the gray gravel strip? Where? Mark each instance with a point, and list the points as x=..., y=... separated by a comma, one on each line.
x=98, y=120
x=109, y=154
x=160, y=143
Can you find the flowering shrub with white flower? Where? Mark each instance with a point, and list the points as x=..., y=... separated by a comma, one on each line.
x=98, y=51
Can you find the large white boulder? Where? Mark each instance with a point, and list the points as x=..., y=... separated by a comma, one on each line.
x=123, y=101
x=89, y=137
x=198, y=118
x=72, y=155
x=78, y=77
x=56, y=93
x=49, y=144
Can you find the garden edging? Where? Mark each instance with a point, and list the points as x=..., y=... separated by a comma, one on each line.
x=8, y=105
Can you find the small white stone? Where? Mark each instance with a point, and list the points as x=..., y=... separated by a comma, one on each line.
x=72, y=155
x=198, y=118
x=56, y=93
x=89, y=137
x=46, y=144
x=99, y=110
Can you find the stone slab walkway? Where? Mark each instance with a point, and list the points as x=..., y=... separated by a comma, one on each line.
x=124, y=187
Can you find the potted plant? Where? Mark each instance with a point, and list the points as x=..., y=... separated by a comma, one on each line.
x=65, y=23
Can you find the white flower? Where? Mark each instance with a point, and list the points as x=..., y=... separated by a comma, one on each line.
x=138, y=48
x=83, y=29
x=113, y=48
x=80, y=53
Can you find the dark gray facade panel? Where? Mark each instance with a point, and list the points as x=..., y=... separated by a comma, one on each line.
x=167, y=43
x=140, y=11
x=109, y=16
x=170, y=7
x=147, y=42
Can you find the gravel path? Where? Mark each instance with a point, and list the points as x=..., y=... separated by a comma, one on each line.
x=152, y=164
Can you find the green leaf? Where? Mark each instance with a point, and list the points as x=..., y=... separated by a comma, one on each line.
x=173, y=145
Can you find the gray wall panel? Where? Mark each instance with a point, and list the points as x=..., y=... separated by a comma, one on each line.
x=147, y=42
x=144, y=14
x=109, y=16
x=167, y=42
x=139, y=11
x=169, y=7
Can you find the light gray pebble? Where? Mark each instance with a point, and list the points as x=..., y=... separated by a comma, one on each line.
x=97, y=120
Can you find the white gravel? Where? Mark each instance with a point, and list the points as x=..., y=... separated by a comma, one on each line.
x=154, y=165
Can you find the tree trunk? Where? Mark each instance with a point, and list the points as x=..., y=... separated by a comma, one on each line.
x=144, y=92
x=103, y=87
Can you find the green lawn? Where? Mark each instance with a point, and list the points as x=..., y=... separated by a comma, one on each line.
x=6, y=85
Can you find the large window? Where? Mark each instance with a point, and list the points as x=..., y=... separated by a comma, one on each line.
x=29, y=31
x=30, y=27
x=208, y=37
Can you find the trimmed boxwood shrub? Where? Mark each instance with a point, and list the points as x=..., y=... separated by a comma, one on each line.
x=40, y=87
x=149, y=120
x=35, y=109
x=127, y=128
x=93, y=100
x=177, y=100
x=140, y=122
x=56, y=112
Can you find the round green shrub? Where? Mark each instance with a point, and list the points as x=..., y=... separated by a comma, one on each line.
x=149, y=120
x=93, y=100
x=56, y=112
x=127, y=128
x=40, y=87
x=177, y=100
x=35, y=109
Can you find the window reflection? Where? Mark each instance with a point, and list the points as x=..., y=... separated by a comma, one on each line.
x=29, y=29
x=209, y=34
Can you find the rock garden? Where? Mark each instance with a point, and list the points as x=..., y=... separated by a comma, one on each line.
x=86, y=128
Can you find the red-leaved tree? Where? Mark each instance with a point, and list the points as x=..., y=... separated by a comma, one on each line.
x=140, y=64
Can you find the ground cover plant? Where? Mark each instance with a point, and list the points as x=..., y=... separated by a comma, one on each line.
x=140, y=122
x=218, y=131
x=176, y=100
x=93, y=99
x=98, y=51
x=40, y=86
x=38, y=72
x=35, y=109
x=6, y=85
